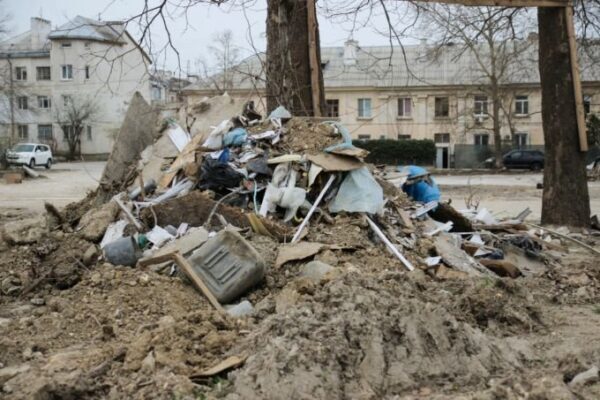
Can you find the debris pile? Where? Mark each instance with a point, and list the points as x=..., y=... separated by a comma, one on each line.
x=304, y=259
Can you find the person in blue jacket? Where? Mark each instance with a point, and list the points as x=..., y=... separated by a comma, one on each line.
x=420, y=186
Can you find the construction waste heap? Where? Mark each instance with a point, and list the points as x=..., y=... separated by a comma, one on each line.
x=226, y=254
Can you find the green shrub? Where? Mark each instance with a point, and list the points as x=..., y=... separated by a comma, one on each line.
x=398, y=152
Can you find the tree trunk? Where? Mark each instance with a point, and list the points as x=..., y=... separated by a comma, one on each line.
x=497, y=134
x=565, y=199
x=288, y=71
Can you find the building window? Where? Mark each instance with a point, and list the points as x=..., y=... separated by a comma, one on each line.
x=364, y=108
x=587, y=104
x=522, y=105
x=23, y=131
x=68, y=131
x=45, y=132
x=403, y=137
x=66, y=72
x=65, y=44
x=480, y=107
x=87, y=72
x=404, y=107
x=442, y=138
x=89, y=133
x=66, y=99
x=44, y=102
x=364, y=137
x=332, y=108
x=521, y=139
x=482, y=139
x=43, y=73
x=21, y=73
x=22, y=103
x=442, y=107
x=155, y=92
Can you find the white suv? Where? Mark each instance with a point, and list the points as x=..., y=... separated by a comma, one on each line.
x=30, y=154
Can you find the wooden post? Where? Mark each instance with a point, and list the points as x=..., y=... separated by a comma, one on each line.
x=312, y=56
x=581, y=126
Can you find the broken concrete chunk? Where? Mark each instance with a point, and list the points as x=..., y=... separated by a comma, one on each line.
x=138, y=131
x=95, y=222
x=315, y=270
x=457, y=258
x=25, y=231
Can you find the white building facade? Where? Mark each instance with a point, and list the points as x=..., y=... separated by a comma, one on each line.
x=83, y=62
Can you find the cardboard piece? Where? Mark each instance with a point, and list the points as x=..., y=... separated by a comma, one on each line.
x=333, y=162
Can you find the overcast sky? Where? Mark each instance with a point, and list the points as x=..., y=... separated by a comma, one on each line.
x=192, y=38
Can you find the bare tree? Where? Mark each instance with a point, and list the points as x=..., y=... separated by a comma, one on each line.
x=492, y=45
x=72, y=116
x=226, y=56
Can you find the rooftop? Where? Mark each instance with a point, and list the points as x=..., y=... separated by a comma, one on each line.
x=406, y=66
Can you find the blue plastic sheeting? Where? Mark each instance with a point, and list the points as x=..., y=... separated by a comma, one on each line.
x=235, y=137
x=224, y=156
x=359, y=192
x=346, y=137
x=423, y=190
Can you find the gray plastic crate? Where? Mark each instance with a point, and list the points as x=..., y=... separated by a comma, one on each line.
x=228, y=265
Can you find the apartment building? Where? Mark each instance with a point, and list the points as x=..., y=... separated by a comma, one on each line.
x=84, y=61
x=404, y=93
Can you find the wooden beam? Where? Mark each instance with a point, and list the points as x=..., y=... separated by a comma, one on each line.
x=189, y=271
x=506, y=3
x=312, y=56
x=579, y=109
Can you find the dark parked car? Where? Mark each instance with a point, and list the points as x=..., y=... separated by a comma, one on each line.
x=532, y=159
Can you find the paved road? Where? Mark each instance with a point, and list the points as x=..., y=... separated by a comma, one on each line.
x=504, y=194
x=63, y=184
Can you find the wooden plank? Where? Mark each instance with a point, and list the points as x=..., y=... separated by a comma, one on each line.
x=189, y=271
x=581, y=125
x=312, y=56
x=505, y=3
x=157, y=259
x=227, y=364
x=129, y=215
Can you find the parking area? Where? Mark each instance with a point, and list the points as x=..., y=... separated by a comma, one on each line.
x=61, y=185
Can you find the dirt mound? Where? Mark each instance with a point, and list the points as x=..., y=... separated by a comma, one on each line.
x=120, y=332
x=501, y=307
x=363, y=336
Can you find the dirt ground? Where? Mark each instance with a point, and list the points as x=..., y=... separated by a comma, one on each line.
x=61, y=185
x=366, y=330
